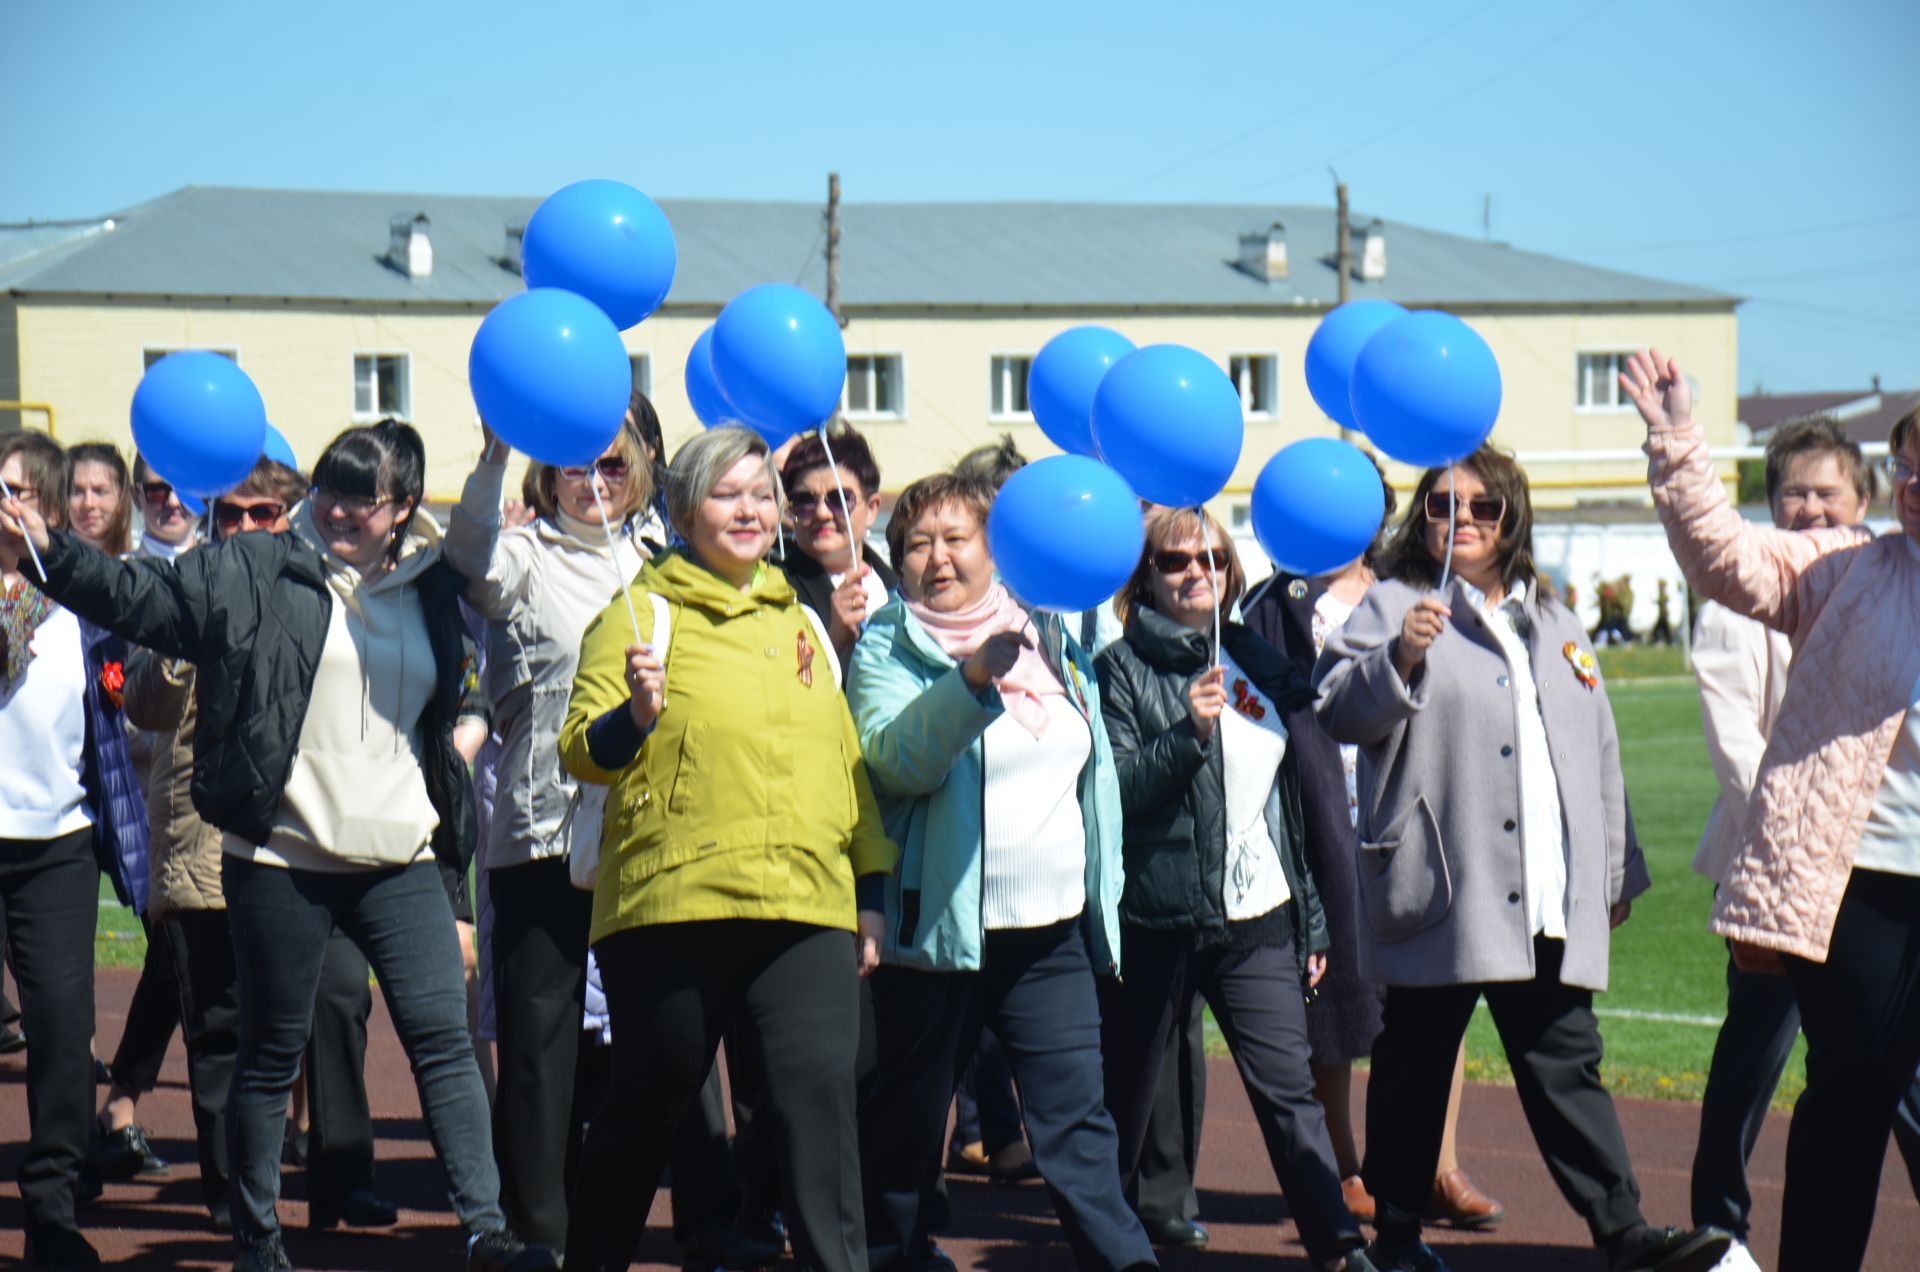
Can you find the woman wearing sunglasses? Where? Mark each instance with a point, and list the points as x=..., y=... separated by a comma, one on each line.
x=1496, y=854
x=1824, y=884
x=330, y=673
x=1219, y=901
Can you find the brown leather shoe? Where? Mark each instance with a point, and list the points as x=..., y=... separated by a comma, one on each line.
x=1353, y=1191
x=1458, y=1204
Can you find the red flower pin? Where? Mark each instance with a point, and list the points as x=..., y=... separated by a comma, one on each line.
x=113, y=679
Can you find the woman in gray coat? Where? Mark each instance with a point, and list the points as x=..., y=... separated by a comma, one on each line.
x=1496, y=852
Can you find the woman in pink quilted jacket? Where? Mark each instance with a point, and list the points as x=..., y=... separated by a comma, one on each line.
x=1825, y=883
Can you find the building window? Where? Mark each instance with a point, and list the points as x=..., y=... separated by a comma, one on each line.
x=380, y=387
x=642, y=372
x=151, y=355
x=1257, y=376
x=1010, y=386
x=1596, y=384
x=876, y=386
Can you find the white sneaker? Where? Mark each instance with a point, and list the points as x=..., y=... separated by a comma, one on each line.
x=1737, y=1259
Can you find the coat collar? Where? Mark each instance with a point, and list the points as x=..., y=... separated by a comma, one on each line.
x=1165, y=644
x=678, y=577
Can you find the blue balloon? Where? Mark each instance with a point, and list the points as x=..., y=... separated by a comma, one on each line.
x=779, y=359
x=1065, y=533
x=603, y=240
x=550, y=376
x=1427, y=389
x=709, y=403
x=1317, y=505
x=1336, y=345
x=278, y=449
x=1063, y=379
x=199, y=422
x=1169, y=420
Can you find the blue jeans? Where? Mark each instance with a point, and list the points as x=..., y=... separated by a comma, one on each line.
x=401, y=919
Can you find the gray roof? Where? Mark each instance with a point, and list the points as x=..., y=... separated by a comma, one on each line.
x=307, y=245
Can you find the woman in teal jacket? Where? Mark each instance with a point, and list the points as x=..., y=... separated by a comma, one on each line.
x=980, y=726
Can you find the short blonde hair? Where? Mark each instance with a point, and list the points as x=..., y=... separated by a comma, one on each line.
x=1178, y=525
x=537, y=486
x=702, y=461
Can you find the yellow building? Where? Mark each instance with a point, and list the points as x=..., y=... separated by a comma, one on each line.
x=347, y=307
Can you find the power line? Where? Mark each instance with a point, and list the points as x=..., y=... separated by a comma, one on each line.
x=1247, y=135
x=1424, y=112
x=1741, y=238
x=1843, y=271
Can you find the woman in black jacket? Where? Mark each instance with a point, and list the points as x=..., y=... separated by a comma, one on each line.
x=330, y=674
x=1219, y=900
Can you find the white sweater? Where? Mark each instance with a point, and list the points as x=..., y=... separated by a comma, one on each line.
x=43, y=736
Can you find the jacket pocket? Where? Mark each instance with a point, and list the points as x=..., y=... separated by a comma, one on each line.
x=686, y=769
x=1404, y=881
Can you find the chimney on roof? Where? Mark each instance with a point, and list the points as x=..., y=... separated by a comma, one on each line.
x=1263, y=252
x=511, y=260
x=409, y=250
x=1373, y=252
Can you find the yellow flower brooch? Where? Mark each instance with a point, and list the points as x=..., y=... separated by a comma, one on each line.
x=1585, y=669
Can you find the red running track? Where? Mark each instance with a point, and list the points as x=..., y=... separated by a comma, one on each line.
x=161, y=1224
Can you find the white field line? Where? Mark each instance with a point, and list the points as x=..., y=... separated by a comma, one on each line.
x=1659, y=1017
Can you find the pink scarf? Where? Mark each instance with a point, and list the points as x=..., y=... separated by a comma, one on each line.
x=1023, y=690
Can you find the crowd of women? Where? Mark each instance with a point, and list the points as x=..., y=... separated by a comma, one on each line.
x=869, y=823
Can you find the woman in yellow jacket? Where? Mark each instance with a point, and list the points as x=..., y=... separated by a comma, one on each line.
x=738, y=819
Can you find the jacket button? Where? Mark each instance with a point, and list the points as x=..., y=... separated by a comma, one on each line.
x=1506, y=750
x=1508, y=825
x=772, y=652
x=1513, y=898
x=1502, y=682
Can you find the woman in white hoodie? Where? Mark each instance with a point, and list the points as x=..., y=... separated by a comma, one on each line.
x=330, y=667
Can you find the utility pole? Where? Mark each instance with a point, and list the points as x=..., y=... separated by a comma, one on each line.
x=1486, y=218
x=1343, y=258
x=833, y=248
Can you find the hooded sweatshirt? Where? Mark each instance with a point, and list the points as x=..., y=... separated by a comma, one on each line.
x=357, y=797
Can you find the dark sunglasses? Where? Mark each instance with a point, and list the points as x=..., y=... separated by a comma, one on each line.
x=806, y=501
x=1174, y=561
x=1488, y=510
x=611, y=467
x=230, y=516
x=156, y=493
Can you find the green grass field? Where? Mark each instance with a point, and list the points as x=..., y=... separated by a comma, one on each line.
x=1669, y=973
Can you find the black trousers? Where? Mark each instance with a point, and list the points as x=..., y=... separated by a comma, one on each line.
x=1036, y=989
x=1553, y=1043
x=1171, y=1152
x=1256, y=997
x=50, y=895
x=202, y=946
x=340, y=1136
x=152, y=1016
x=672, y=989
x=1861, y=1013
x=540, y=923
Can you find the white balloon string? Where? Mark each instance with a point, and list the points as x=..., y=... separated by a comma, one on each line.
x=613, y=557
x=25, y=537
x=1213, y=582
x=845, y=516
x=1453, y=519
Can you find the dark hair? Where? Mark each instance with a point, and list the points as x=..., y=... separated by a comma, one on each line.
x=270, y=477
x=1903, y=431
x=991, y=465
x=1820, y=435
x=376, y=461
x=923, y=496
x=118, y=540
x=1406, y=556
x=47, y=470
x=851, y=455
x=1178, y=525
x=142, y=470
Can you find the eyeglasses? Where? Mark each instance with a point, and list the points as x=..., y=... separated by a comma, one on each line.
x=25, y=494
x=804, y=502
x=1489, y=510
x=231, y=516
x=1899, y=471
x=1174, y=561
x=611, y=467
x=358, y=507
x=155, y=494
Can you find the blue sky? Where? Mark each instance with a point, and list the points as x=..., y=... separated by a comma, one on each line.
x=1764, y=148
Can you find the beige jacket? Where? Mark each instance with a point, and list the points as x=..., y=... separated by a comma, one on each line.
x=1741, y=668
x=1848, y=601
x=183, y=859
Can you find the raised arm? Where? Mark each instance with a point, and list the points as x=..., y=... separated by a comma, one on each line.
x=501, y=568
x=910, y=733
x=156, y=604
x=1751, y=569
